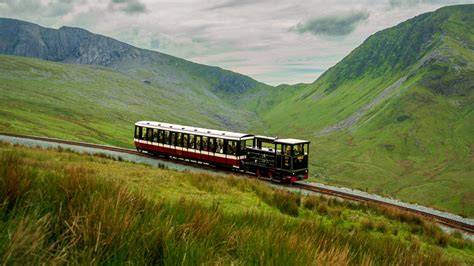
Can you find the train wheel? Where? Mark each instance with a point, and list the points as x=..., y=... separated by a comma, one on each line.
x=257, y=173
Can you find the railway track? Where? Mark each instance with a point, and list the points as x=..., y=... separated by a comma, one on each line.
x=465, y=227
x=452, y=223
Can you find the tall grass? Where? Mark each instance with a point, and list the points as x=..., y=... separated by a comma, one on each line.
x=14, y=182
x=69, y=215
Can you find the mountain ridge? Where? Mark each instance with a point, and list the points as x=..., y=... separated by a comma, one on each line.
x=80, y=46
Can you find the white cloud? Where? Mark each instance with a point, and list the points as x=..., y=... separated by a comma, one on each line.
x=250, y=37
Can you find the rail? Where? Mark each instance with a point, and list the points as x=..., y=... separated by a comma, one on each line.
x=466, y=227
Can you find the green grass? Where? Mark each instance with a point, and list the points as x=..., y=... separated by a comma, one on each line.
x=62, y=207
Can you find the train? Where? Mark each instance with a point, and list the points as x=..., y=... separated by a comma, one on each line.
x=276, y=159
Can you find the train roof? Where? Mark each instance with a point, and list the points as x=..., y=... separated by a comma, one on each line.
x=291, y=141
x=195, y=130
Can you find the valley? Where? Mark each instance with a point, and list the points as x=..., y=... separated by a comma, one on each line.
x=394, y=117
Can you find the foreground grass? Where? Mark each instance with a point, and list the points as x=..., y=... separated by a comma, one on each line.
x=62, y=207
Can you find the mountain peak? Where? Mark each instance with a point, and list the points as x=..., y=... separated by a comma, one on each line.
x=400, y=47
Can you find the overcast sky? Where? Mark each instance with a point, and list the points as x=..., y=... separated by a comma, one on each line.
x=273, y=41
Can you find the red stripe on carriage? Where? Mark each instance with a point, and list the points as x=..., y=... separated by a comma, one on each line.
x=203, y=156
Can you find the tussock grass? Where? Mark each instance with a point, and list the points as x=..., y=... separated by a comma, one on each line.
x=15, y=180
x=68, y=213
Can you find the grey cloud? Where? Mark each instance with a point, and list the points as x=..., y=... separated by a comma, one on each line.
x=332, y=26
x=232, y=3
x=22, y=6
x=129, y=6
x=33, y=8
x=60, y=8
x=408, y=3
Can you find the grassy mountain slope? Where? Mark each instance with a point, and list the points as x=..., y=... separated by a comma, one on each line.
x=59, y=207
x=396, y=115
x=200, y=83
x=95, y=103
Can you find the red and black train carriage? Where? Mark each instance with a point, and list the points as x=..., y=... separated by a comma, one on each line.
x=273, y=158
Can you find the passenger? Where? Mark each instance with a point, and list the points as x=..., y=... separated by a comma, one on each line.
x=220, y=146
x=185, y=141
x=297, y=150
x=232, y=149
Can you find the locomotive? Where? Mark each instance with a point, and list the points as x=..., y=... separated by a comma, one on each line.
x=280, y=160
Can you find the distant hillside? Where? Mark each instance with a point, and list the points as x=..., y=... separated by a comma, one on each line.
x=396, y=115
x=78, y=46
x=97, y=104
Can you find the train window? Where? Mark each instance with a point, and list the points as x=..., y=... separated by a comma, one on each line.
x=137, y=131
x=191, y=141
x=155, y=135
x=179, y=139
x=161, y=136
x=205, y=141
x=185, y=140
x=211, y=145
x=231, y=147
x=248, y=143
x=172, y=138
x=286, y=149
x=306, y=148
x=166, y=138
x=278, y=148
x=149, y=134
x=144, y=133
x=198, y=143
x=297, y=149
x=241, y=148
x=220, y=146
